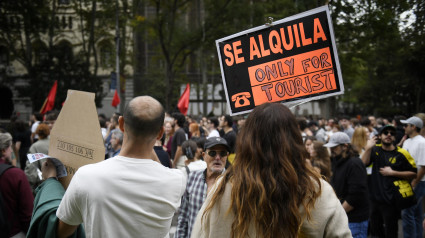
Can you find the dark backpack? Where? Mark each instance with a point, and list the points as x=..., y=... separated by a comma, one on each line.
x=4, y=222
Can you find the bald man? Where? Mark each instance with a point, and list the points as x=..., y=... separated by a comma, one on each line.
x=129, y=195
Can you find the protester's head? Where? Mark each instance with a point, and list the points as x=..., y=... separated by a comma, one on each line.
x=168, y=128
x=37, y=116
x=302, y=123
x=6, y=146
x=50, y=118
x=43, y=131
x=189, y=149
x=345, y=121
x=143, y=118
x=179, y=119
x=269, y=175
x=397, y=120
x=116, y=139
x=412, y=125
x=200, y=142
x=226, y=121
x=387, y=134
x=320, y=159
x=114, y=120
x=213, y=123
x=308, y=141
x=359, y=140
x=215, y=154
x=194, y=129
x=340, y=145
x=372, y=120
x=102, y=122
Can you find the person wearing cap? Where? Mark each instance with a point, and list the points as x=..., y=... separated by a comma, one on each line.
x=389, y=164
x=349, y=180
x=415, y=145
x=200, y=182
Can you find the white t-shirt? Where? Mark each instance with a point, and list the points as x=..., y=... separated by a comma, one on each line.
x=123, y=197
x=416, y=148
x=34, y=128
x=213, y=133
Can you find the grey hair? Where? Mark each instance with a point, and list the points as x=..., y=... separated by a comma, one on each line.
x=5, y=140
x=118, y=135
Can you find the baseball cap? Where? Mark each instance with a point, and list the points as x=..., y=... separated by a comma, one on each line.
x=338, y=138
x=414, y=121
x=213, y=141
x=385, y=128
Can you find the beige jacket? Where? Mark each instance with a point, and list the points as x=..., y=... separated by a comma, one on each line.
x=328, y=218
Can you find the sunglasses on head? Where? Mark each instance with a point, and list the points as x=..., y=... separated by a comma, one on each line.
x=389, y=132
x=213, y=153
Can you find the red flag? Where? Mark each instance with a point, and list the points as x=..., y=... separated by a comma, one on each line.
x=116, y=99
x=183, y=103
x=49, y=103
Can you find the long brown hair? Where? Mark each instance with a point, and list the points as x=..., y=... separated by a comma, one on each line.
x=322, y=159
x=270, y=179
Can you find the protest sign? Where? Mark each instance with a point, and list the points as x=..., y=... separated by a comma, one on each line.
x=290, y=60
x=60, y=168
x=76, y=138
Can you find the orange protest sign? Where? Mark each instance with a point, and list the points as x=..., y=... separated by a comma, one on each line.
x=293, y=60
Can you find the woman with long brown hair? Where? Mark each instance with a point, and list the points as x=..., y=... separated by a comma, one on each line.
x=270, y=191
x=320, y=159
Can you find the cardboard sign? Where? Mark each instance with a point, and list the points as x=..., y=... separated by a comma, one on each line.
x=76, y=137
x=291, y=60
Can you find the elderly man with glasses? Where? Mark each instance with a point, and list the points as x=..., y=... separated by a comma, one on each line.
x=200, y=182
x=391, y=165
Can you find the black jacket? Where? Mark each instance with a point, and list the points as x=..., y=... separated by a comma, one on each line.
x=349, y=180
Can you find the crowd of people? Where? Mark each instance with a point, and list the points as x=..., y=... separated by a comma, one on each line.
x=266, y=174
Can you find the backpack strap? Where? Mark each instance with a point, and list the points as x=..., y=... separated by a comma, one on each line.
x=4, y=221
x=4, y=167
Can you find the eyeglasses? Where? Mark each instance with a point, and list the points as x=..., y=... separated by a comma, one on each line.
x=389, y=132
x=213, y=153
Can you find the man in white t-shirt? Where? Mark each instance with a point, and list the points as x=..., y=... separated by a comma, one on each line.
x=37, y=118
x=129, y=195
x=412, y=217
x=212, y=127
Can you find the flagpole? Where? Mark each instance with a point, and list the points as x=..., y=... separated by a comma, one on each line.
x=117, y=58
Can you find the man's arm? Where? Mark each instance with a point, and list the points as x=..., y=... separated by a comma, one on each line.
x=177, y=156
x=419, y=176
x=368, y=150
x=388, y=171
x=64, y=230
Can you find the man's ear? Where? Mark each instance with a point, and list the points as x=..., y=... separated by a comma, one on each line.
x=161, y=133
x=121, y=123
